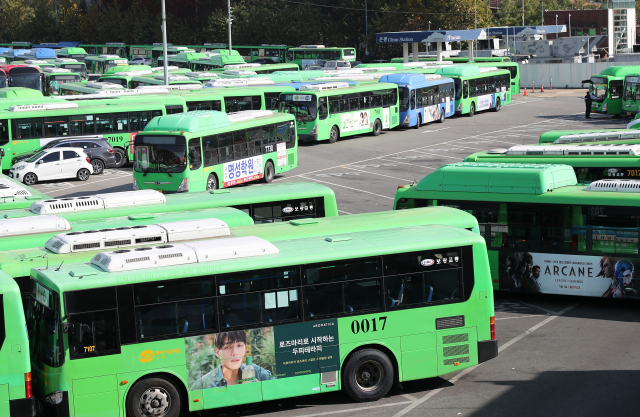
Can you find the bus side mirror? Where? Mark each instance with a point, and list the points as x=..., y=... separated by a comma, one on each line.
x=67, y=327
x=1, y=152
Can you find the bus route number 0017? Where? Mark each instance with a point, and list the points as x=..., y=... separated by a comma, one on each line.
x=366, y=325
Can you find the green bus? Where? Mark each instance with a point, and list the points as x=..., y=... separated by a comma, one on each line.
x=478, y=88
x=512, y=67
x=456, y=59
x=275, y=53
x=255, y=69
x=181, y=59
x=206, y=150
x=17, y=398
x=328, y=111
x=306, y=55
x=591, y=161
x=79, y=54
x=32, y=126
x=219, y=59
x=607, y=88
x=74, y=65
x=158, y=80
x=157, y=52
x=55, y=77
x=102, y=63
x=598, y=135
x=351, y=286
x=228, y=100
x=15, y=195
x=109, y=48
x=544, y=232
x=19, y=92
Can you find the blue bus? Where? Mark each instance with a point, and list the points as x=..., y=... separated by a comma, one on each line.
x=423, y=97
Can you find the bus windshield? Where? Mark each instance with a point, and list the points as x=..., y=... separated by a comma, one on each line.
x=599, y=88
x=632, y=89
x=405, y=94
x=157, y=154
x=27, y=81
x=303, y=107
x=119, y=81
x=79, y=68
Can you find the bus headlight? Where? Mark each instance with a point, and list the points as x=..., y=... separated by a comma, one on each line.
x=407, y=120
x=314, y=130
x=604, y=108
x=184, y=186
x=135, y=185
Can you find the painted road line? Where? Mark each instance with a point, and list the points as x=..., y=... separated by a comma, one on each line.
x=373, y=173
x=350, y=188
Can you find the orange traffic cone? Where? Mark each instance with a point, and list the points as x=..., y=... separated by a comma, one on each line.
x=525, y=92
x=542, y=88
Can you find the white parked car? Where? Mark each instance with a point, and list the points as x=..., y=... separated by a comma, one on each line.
x=140, y=60
x=53, y=164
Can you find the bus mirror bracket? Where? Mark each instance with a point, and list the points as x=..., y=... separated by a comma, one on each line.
x=67, y=327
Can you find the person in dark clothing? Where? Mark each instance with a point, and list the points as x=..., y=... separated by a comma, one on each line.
x=587, y=103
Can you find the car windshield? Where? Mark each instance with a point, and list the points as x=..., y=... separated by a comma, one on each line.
x=404, y=98
x=303, y=106
x=36, y=156
x=598, y=89
x=157, y=154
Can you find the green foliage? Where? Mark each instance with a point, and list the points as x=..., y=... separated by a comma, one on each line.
x=510, y=13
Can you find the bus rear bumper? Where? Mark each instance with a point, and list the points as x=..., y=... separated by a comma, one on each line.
x=308, y=138
x=487, y=350
x=23, y=407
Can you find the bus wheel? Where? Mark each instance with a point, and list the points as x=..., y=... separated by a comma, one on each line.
x=153, y=397
x=334, y=135
x=472, y=109
x=498, y=105
x=212, y=182
x=121, y=158
x=30, y=178
x=368, y=375
x=269, y=172
x=419, y=122
x=377, y=127
x=441, y=116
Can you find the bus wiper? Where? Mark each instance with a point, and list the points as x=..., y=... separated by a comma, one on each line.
x=167, y=170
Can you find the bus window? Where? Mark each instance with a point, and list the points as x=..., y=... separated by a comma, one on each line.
x=93, y=334
x=139, y=120
x=4, y=132
x=322, y=108
x=615, y=89
x=225, y=146
x=195, y=154
x=210, y=146
x=458, y=88
x=28, y=128
x=112, y=123
x=465, y=89
x=56, y=126
x=404, y=98
x=239, y=144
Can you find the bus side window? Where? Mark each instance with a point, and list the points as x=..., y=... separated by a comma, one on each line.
x=239, y=144
x=210, y=146
x=334, y=106
x=195, y=154
x=225, y=146
x=465, y=89
x=4, y=132
x=322, y=108
x=93, y=334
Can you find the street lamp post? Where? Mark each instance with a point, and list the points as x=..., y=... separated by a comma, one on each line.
x=556, y=26
x=569, y=24
x=542, y=12
x=229, y=20
x=522, y=12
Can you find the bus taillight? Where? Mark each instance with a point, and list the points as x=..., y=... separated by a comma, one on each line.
x=27, y=385
x=492, y=322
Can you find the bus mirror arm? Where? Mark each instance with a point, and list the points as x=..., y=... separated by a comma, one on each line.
x=67, y=327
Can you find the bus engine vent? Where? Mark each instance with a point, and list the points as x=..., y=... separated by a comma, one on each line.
x=32, y=224
x=455, y=338
x=623, y=186
x=455, y=350
x=449, y=322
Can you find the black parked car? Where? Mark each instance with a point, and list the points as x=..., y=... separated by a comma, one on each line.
x=98, y=149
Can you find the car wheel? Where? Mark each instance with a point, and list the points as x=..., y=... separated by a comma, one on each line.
x=153, y=397
x=472, y=109
x=377, y=127
x=30, y=178
x=98, y=166
x=368, y=375
x=334, y=135
x=212, y=182
x=83, y=174
x=269, y=172
x=121, y=157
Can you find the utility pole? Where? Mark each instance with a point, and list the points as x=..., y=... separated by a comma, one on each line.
x=522, y=12
x=542, y=13
x=229, y=20
x=164, y=44
x=366, y=29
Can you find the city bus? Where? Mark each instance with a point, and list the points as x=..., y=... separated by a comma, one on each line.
x=21, y=76
x=157, y=52
x=72, y=65
x=32, y=126
x=158, y=80
x=228, y=100
x=345, y=110
x=597, y=135
x=306, y=55
x=109, y=48
x=423, y=97
x=55, y=77
x=478, y=88
x=181, y=59
x=275, y=53
x=512, y=67
x=102, y=63
x=213, y=150
x=325, y=305
x=219, y=59
x=607, y=88
x=37, y=54
x=256, y=69
x=544, y=232
x=17, y=399
x=19, y=92
x=15, y=195
x=591, y=161
x=455, y=59
x=79, y=54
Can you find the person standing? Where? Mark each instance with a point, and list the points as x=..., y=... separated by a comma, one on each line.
x=587, y=103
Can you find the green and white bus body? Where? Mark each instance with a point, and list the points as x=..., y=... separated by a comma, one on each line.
x=478, y=88
x=202, y=76
x=328, y=111
x=19, y=92
x=512, y=67
x=272, y=95
x=181, y=59
x=38, y=63
x=306, y=55
x=55, y=77
x=15, y=378
x=218, y=60
x=544, y=232
x=73, y=65
x=228, y=100
x=276, y=53
x=607, y=88
x=327, y=303
x=590, y=161
x=157, y=52
x=206, y=150
x=32, y=126
x=102, y=63
x=78, y=54
x=109, y=48
x=15, y=195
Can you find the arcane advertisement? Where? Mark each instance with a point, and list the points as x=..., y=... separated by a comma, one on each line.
x=244, y=170
x=431, y=113
x=355, y=121
x=486, y=102
x=256, y=355
x=593, y=276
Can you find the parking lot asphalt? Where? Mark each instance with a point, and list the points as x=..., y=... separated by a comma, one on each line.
x=559, y=355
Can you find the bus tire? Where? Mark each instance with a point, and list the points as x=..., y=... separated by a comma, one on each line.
x=472, y=109
x=269, y=172
x=83, y=174
x=212, y=182
x=419, y=121
x=334, y=135
x=121, y=157
x=442, y=115
x=498, y=105
x=368, y=375
x=30, y=178
x=377, y=128
x=153, y=397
